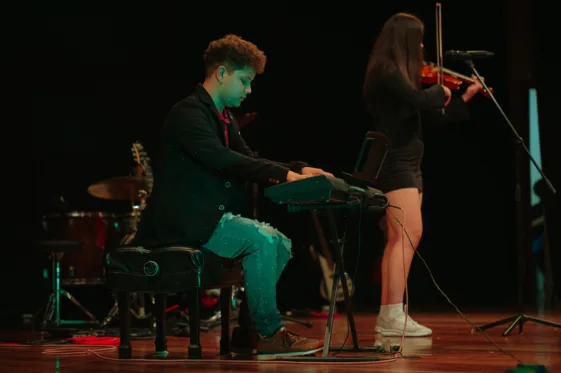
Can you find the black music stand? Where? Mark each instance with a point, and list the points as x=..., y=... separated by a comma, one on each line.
x=367, y=169
x=364, y=175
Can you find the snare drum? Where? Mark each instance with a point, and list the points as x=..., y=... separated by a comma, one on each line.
x=98, y=232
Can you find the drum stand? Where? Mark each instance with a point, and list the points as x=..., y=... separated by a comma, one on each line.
x=140, y=315
x=57, y=250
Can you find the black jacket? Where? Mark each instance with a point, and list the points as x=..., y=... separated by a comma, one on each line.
x=397, y=109
x=198, y=178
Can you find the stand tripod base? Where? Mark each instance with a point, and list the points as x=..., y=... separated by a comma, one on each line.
x=140, y=315
x=338, y=275
x=359, y=349
x=329, y=359
x=519, y=320
x=53, y=310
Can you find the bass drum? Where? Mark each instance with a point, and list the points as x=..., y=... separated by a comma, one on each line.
x=98, y=232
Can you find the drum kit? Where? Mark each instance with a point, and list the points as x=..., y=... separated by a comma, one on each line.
x=95, y=234
x=78, y=241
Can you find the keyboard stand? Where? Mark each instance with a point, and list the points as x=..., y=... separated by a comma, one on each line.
x=338, y=275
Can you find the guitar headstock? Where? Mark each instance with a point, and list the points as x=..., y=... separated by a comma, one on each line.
x=139, y=155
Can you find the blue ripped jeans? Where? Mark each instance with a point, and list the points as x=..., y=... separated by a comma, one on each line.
x=265, y=252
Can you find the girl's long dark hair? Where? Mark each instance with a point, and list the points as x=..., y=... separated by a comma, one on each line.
x=398, y=46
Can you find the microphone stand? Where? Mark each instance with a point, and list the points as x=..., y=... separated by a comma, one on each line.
x=519, y=319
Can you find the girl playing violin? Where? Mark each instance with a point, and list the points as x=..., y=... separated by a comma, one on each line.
x=395, y=99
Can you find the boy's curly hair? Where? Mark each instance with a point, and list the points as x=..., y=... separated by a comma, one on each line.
x=235, y=53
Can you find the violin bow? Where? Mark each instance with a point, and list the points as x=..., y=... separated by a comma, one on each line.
x=439, y=59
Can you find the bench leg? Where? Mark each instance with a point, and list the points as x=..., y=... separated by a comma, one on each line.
x=160, y=314
x=195, y=351
x=124, y=302
x=225, y=315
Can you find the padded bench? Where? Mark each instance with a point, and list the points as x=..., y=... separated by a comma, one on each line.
x=167, y=270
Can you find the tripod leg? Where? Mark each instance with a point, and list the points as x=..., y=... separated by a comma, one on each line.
x=56, y=287
x=496, y=323
x=49, y=310
x=341, y=271
x=110, y=315
x=329, y=327
x=518, y=320
x=542, y=321
x=75, y=301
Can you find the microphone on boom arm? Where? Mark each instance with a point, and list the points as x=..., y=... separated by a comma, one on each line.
x=467, y=55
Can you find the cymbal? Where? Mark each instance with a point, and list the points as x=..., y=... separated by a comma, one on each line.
x=119, y=188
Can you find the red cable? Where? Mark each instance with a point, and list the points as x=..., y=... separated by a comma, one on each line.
x=92, y=340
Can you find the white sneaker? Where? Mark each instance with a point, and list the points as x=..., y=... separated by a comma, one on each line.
x=393, y=327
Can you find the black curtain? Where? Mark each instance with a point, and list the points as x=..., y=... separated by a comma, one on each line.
x=549, y=99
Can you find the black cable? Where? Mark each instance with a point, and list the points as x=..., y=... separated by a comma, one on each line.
x=444, y=294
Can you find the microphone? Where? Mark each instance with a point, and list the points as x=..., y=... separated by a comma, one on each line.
x=467, y=55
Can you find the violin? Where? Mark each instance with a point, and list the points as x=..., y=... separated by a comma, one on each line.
x=451, y=79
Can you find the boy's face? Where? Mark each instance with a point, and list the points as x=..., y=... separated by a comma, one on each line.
x=235, y=85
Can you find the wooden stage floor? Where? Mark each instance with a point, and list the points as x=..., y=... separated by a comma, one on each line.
x=452, y=348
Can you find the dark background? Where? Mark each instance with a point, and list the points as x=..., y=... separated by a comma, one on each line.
x=86, y=87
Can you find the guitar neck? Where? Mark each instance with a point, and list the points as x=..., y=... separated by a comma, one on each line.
x=322, y=241
x=149, y=180
x=143, y=161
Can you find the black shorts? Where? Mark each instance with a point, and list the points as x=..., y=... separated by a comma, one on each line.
x=402, y=168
